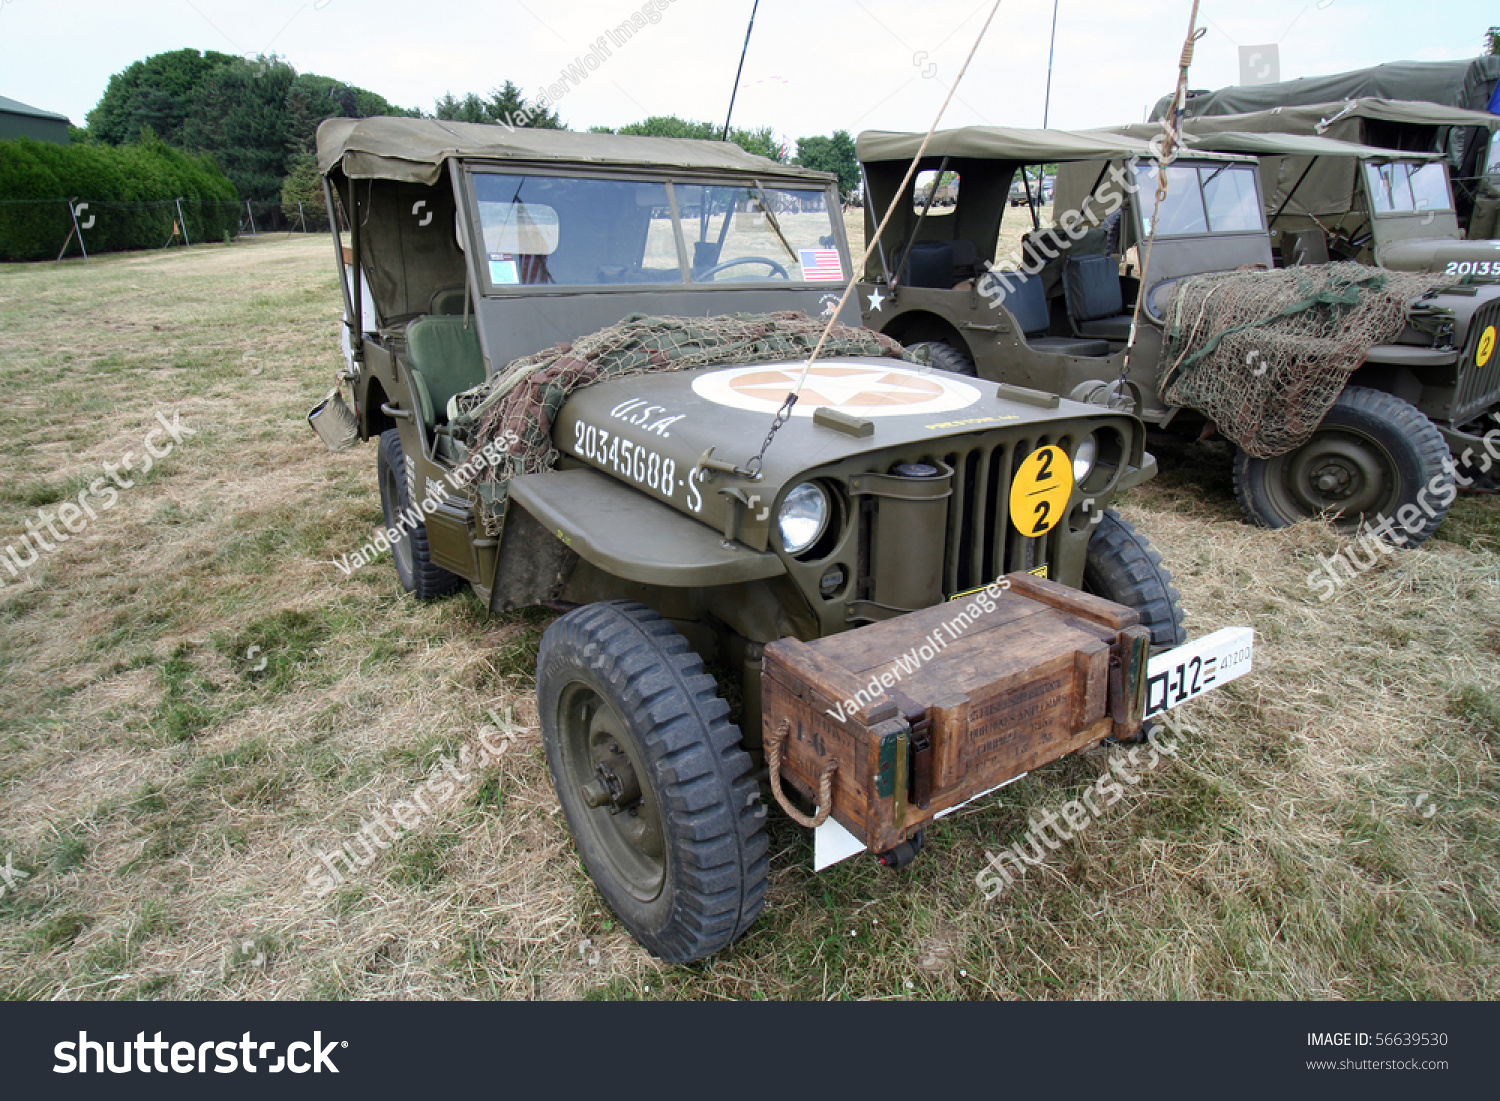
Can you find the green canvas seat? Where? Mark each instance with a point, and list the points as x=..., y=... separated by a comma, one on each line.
x=444, y=359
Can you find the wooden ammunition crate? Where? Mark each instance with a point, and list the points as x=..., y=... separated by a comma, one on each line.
x=952, y=701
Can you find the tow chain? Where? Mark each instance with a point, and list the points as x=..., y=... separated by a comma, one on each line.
x=784, y=414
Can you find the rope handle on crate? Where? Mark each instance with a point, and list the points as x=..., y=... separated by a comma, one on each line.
x=825, y=782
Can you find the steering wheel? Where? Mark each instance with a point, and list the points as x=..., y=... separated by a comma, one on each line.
x=776, y=269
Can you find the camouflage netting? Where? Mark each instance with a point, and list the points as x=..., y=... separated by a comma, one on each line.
x=1265, y=354
x=525, y=396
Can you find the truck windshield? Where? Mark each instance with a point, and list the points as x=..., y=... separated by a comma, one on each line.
x=1204, y=198
x=1408, y=188
x=590, y=231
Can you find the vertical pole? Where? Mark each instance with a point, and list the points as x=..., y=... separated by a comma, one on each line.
x=301, y=217
x=1051, y=52
x=736, y=90
x=251, y=214
x=181, y=221
x=73, y=211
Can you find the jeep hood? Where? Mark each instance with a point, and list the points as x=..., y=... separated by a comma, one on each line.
x=663, y=432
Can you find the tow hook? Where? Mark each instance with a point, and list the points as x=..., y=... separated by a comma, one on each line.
x=903, y=854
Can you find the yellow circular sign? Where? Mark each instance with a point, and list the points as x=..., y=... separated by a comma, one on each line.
x=1486, y=347
x=1039, y=495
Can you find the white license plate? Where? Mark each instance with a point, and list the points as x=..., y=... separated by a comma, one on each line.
x=1172, y=677
x=1190, y=670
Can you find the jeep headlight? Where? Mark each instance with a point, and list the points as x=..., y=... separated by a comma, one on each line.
x=803, y=517
x=1085, y=458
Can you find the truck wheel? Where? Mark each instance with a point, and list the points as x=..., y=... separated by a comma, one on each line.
x=414, y=567
x=1372, y=455
x=1122, y=567
x=660, y=796
x=945, y=357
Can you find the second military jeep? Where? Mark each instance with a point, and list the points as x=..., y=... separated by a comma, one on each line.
x=886, y=491
x=1411, y=425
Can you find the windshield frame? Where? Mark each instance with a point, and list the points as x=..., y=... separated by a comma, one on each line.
x=1411, y=166
x=1144, y=199
x=472, y=233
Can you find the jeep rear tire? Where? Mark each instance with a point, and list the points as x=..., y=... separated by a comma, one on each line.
x=1122, y=567
x=1372, y=456
x=658, y=792
x=945, y=357
x=414, y=566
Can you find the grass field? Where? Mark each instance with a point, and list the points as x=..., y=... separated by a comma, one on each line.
x=196, y=701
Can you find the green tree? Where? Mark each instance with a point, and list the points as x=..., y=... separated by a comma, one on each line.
x=158, y=92
x=240, y=119
x=505, y=105
x=832, y=154
x=304, y=185
x=1492, y=41
x=762, y=142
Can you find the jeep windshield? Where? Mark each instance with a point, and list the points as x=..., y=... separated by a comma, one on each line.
x=594, y=231
x=1202, y=199
x=1402, y=188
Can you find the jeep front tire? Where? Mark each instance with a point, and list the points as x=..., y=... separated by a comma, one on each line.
x=660, y=797
x=1373, y=456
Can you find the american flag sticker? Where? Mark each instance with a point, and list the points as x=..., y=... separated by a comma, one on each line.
x=821, y=265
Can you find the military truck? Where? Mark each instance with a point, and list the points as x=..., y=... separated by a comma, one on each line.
x=667, y=549
x=1413, y=106
x=1057, y=315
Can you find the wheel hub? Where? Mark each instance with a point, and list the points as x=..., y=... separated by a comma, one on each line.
x=615, y=785
x=1334, y=480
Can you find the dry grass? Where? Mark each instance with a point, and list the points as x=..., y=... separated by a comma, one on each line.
x=167, y=798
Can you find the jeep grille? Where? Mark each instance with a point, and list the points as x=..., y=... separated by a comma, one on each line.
x=982, y=544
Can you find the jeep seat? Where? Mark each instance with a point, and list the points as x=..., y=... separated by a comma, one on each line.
x=443, y=358
x=1027, y=303
x=941, y=265
x=1096, y=304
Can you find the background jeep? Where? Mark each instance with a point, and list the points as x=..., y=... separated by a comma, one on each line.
x=1058, y=316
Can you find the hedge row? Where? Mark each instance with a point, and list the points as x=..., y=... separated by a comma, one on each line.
x=130, y=187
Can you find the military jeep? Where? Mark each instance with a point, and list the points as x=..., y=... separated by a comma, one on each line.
x=668, y=551
x=1327, y=199
x=1057, y=315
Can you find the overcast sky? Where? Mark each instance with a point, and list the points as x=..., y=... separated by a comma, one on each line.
x=813, y=66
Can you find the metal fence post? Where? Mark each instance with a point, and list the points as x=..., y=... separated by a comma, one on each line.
x=251, y=214
x=181, y=221
x=73, y=213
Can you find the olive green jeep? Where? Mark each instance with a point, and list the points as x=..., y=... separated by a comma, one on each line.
x=667, y=549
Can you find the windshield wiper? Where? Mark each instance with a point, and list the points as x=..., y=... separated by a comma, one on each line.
x=765, y=204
